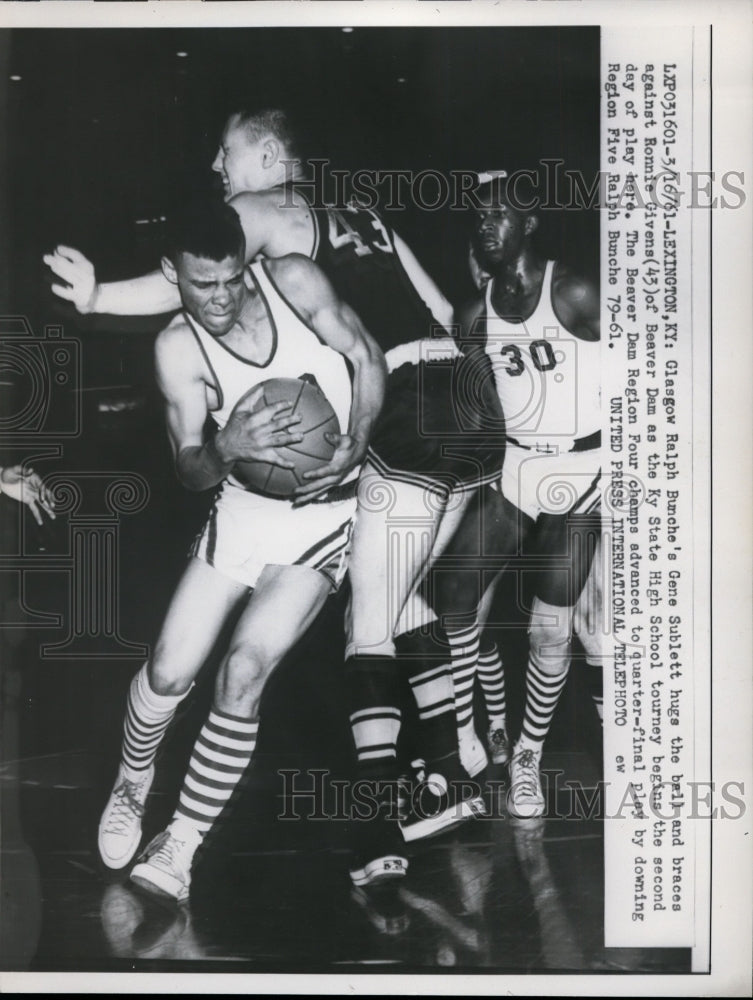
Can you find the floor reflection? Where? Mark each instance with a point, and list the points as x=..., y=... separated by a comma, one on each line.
x=496, y=894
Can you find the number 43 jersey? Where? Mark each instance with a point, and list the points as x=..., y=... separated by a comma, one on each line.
x=548, y=380
x=355, y=249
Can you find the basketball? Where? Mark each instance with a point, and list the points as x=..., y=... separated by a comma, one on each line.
x=317, y=419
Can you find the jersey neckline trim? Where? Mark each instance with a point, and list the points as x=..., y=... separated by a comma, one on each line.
x=287, y=302
x=270, y=317
x=546, y=283
x=193, y=327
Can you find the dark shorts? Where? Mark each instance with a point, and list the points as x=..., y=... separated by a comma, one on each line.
x=551, y=555
x=441, y=427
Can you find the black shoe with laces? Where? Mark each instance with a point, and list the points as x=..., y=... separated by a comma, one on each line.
x=443, y=798
x=378, y=847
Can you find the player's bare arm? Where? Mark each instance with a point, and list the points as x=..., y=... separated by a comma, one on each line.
x=275, y=222
x=438, y=305
x=576, y=304
x=338, y=326
x=249, y=434
x=147, y=295
x=469, y=324
x=415, y=351
x=151, y=294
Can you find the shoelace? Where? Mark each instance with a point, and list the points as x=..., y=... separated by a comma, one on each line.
x=168, y=853
x=526, y=761
x=499, y=738
x=126, y=806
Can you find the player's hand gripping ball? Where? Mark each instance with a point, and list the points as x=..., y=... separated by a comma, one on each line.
x=317, y=420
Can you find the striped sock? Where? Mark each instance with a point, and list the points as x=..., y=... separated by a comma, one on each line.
x=374, y=714
x=492, y=676
x=219, y=758
x=595, y=681
x=464, y=648
x=426, y=660
x=542, y=694
x=148, y=715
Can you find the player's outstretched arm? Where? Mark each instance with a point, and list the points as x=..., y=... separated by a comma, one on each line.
x=470, y=325
x=437, y=304
x=307, y=288
x=146, y=295
x=250, y=434
x=150, y=294
x=25, y=486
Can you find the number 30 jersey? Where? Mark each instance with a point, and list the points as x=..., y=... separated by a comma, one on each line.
x=548, y=380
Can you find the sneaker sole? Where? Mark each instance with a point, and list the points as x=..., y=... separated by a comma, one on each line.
x=391, y=866
x=451, y=817
x=117, y=865
x=149, y=880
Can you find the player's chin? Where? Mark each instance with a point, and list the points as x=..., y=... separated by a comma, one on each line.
x=218, y=324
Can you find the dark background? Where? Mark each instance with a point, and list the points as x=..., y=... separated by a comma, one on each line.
x=104, y=132
x=109, y=126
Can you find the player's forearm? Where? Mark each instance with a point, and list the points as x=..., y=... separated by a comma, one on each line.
x=369, y=382
x=416, y=351
x=202, y=467
x=437, y=304
x=146, y=295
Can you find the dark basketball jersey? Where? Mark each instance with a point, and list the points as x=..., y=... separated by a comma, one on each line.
x=355, y=249
x=433, y=430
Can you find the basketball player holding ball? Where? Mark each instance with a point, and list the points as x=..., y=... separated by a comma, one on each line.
x=238, y=331
x=421, y=467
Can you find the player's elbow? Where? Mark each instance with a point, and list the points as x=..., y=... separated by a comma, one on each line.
x=375, y=359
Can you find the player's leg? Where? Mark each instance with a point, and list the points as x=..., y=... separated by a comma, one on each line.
x=398, y=531
x=489, y=534
x=424, y=652
x=198, y=609
x=491, y=674
x=568, y=541
x=284, y=604
x=395, y=530
x=588, y=625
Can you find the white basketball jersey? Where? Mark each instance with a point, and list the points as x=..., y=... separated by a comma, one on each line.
x=548, y=380
x=296, y=352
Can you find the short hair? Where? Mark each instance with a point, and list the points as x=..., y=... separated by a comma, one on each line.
x=258, y=124
x=208, y=228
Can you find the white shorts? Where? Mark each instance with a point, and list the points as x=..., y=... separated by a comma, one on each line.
x=246, y=532
x=539, y=483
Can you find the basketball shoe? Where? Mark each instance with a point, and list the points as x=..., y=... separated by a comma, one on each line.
x=471, y=749
x=525, y=798
x=377, y=844
x=120, y=826
x=500, y=750
x=164, y=868
x=441, y=800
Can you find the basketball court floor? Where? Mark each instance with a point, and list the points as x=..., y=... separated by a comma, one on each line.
x=82, y=599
